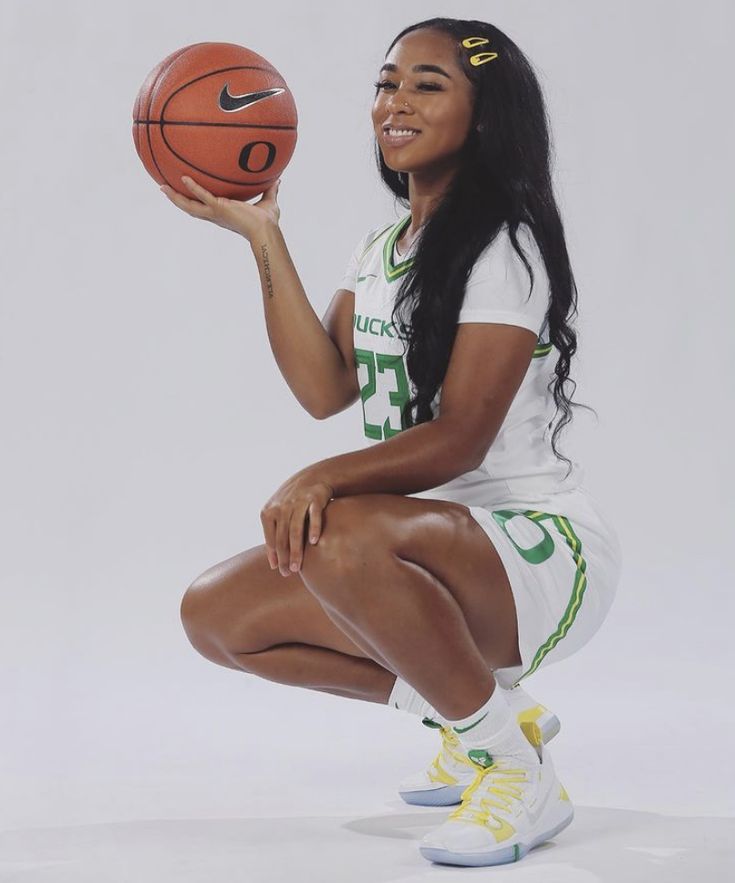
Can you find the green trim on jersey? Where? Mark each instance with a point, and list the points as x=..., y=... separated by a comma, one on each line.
x=540, y=553
x=394, y=271
x=370, y=244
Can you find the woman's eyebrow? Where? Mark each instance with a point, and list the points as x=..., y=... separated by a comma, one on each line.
x=419, y=68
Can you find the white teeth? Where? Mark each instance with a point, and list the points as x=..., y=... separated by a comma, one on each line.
x=397, y=132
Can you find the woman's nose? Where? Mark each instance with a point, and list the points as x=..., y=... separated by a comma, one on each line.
x=397, y=99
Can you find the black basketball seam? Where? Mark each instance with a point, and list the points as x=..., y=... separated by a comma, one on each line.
x=154, y=86
x=210, y=174
x=136, y=136
x=226, y=125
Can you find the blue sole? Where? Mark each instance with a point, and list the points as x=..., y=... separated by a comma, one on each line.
x=447, y=796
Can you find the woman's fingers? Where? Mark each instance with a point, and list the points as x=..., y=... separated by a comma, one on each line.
x=282, y=544
x=202, y=207
x=200, y=192
x=315, y=522
x=272, y=191
x=190, y=206
x=284, y=516
x=269, y=529
x=296, y=539
x=285, y=539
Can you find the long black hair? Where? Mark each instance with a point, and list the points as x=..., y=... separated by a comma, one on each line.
x=503, y=177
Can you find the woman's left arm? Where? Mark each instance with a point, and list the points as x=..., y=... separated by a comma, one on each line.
x=486, y=368
x=418, y=458
x=476, y=395
x=415, y=459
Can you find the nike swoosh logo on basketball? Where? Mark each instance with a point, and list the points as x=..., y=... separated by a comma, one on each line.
x=229, y=103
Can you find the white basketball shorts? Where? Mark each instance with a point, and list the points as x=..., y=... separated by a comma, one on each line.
x=563, y=560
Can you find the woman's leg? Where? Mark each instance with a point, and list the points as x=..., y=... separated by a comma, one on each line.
x=245, y=616
x=421, y=586
x=407, y=585
x=318, y=668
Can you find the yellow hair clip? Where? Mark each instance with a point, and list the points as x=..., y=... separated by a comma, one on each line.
x=478, y=57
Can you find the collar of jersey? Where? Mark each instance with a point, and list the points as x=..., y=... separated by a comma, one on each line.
x=393, y=271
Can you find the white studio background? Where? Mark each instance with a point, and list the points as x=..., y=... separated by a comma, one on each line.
x=145, y=421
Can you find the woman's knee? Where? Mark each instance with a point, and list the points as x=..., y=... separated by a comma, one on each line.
x=197, y=619
x=206, y=607
x=343, y=546
x=197, y=602
x=232, y=608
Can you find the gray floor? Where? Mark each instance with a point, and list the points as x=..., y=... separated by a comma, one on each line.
x=601, y=845
x=188, y=772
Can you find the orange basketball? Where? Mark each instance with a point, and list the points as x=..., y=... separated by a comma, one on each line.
x=219, y=113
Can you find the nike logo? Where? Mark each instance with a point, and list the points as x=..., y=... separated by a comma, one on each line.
x=534, y=810
x=464, y=729
x=360, y=278
x=230, y=103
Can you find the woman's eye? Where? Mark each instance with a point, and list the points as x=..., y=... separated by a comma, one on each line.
x=384, y=84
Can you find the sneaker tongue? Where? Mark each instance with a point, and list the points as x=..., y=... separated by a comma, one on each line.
x=480, y=756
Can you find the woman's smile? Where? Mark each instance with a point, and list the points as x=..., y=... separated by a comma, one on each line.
x=399, y=137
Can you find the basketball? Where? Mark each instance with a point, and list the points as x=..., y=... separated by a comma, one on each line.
x=219, y=113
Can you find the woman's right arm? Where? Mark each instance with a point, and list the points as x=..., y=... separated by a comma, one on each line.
x=312, y=358
x=316, y=362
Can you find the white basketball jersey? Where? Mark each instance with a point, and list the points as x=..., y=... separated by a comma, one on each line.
x=520, y=464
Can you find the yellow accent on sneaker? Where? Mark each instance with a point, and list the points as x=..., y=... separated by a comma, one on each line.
x=502, y=788
x=453, y=747
x=537, y=722
x=531, y=721
x=509, y=793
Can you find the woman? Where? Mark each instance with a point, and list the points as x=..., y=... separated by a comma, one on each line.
x=455, y=554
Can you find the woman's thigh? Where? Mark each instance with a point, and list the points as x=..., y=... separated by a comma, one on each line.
x=440, y=536
x=242, y=606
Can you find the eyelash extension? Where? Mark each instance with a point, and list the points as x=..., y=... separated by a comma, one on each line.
x=433, y=87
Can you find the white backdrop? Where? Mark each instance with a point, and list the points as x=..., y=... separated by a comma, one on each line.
x=145, y=421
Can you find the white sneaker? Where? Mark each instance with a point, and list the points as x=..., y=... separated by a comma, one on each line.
x=451, y=771
x=447, y=776
x=537, y=722
x=511, y=806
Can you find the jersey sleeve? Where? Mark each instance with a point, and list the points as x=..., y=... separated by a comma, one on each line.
x=349, y=277
x=499, y=285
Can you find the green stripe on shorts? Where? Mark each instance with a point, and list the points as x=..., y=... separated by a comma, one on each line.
x=540, y=553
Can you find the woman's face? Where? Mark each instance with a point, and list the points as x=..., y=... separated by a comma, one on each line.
x=438, y=105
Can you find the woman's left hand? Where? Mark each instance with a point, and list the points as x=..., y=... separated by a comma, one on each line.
x=283, y=518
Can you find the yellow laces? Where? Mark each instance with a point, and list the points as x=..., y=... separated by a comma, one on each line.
x=494, y=788
x=453, y=747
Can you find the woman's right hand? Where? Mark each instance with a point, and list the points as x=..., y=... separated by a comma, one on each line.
x=233, y=214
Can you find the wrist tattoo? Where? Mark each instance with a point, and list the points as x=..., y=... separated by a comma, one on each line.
x=267, y=270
